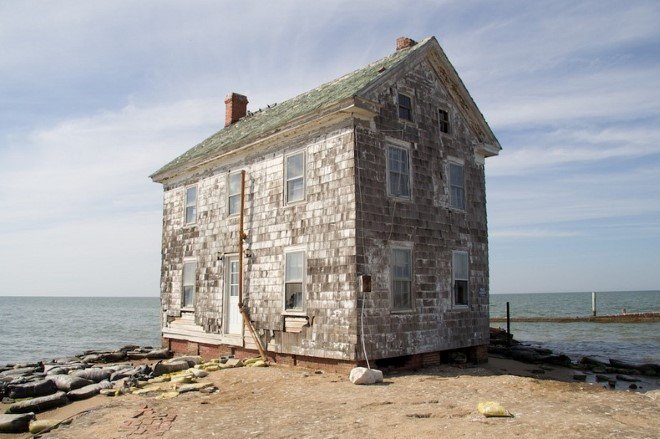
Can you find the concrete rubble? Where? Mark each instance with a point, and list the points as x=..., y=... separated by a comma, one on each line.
x=29, y=389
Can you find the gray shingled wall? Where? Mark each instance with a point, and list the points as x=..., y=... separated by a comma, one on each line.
x=426, y=222
x=324, y=225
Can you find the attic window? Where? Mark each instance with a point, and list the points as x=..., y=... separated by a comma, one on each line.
x=405, y=107
x=443, y=116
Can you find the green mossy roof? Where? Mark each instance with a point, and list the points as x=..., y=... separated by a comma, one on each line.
x=258, y=124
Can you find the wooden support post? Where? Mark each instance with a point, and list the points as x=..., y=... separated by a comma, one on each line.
x=241, y=308
x=508, y=325
x=593, y=303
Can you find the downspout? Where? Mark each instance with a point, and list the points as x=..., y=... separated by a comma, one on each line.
x=241, y=308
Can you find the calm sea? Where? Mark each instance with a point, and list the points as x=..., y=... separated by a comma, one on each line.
x=637, y=342
x=38, y=328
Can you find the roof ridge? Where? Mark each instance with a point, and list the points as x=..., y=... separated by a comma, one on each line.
x=266, y=120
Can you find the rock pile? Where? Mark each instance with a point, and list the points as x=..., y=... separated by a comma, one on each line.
x=27, y=389
x=610, y=371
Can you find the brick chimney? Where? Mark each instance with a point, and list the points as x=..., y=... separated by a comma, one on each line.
x=404, y=43
x=236, y=108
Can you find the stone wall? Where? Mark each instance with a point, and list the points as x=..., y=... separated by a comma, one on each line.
x=426, y=223
x=324, y=225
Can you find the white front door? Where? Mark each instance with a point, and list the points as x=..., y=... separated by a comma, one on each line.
x=233, y=316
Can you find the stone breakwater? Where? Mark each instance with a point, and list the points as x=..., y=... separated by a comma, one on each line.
x=28, y=389
x=644, y=317
x=615, y=374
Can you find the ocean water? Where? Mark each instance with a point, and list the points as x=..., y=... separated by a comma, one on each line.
x=41, y=328
x=636, y=342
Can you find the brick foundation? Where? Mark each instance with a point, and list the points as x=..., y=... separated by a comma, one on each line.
x=475, y=354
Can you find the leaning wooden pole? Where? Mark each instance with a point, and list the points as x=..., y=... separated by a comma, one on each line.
x=241, y=308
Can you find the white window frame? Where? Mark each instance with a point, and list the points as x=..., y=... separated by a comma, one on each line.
x=193, y=262
x=303, y=280
x=230, y=195
x=393, y=278
x=451, y=163
x=392, y=145
x=186, y=205
x=454, y=278
x=449, y=127
x=303, y=177
x=398, y=106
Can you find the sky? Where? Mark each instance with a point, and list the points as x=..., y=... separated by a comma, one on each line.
x=95, y=96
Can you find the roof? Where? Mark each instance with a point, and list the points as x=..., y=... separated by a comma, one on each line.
x=258, y=124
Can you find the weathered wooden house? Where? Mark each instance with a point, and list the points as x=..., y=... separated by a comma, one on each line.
x=364, y=218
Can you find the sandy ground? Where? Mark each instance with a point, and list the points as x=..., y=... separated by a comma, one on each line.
x=282, y=402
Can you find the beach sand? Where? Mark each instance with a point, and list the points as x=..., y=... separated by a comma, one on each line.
x=282, y=402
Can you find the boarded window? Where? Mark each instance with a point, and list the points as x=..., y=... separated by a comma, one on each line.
x=398, y=165
x=443, y=116
x=191, y=205
x=457, y=186
x=405, y=107
x=293, y=280
x=189, y=272
x=401, y=279
x=460, y=277
x=295, y=177
x=234, y=193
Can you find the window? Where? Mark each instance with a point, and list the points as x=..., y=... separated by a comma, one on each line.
x=293, y=280
x=234, y=193
x=460, y=277
x=191, y=205
x=398, y=167
x=457, y=186
x=295, y=177
x=401, y=279
x=405, y=107
x=189, y=271
x=443, y=116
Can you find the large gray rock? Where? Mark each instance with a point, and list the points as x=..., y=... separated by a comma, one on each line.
x=67, y=383
x=159, y=354
x=39, y=404
x=190, y=359
x=162, y=368
x=93, y=374
x=88, y=391
x=362, y=375
x=19, y=423
x=29, y=390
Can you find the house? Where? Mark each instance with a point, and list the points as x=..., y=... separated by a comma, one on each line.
x=363, y=216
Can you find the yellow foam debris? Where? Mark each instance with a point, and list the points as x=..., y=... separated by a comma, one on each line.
x=492, y=409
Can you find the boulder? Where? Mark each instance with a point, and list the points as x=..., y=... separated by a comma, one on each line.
x=159, y=354
x=112, y=357
x=137, y=355
x=362, y=375
x=601, y=378
x=234, y=362
x=20, y=371
x=198, y=373
x=15, y=423
x=93, y=374
x=162, y=368
x=591, y=361
x=43, y=424
x=29, y=390
x=194, y=387
x=579, y=376
x=88, y=391
x=66, y=383
x=557, y=360
x=192, y=360
x=627, y=378
x=525, y=355
x=39, y=404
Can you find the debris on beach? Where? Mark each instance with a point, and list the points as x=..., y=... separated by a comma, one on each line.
x=33, y=388
x=588, y=368
x=492, y=409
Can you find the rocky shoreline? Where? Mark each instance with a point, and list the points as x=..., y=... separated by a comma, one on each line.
x=32, y=388
x=614, y=374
